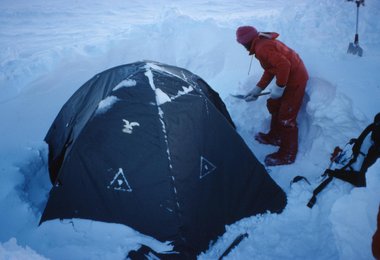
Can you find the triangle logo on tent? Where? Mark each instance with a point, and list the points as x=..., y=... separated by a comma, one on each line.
x=206, y=167
x=119, y=182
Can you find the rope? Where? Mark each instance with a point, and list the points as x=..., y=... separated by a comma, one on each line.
x=250, y=65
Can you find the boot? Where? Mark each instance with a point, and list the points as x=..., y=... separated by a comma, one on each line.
x=288, y=148
x=268, y=138
x=273, y=137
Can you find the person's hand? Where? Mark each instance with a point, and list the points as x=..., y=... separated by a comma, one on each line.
x=277, y=92
x=253, y=94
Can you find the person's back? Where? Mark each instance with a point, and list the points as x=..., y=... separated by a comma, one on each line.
x=269, y=51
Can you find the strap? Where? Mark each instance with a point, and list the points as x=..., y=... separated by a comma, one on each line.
x=357, y=145
x=337, y=151
x=359, y=141
x=317, y=190
x=353, y=177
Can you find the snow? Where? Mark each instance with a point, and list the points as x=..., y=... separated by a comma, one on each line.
x=125, y=83
x=106, y=104
x=50, y=48
x=11, y=250
x=185, y=91
x=161, y=97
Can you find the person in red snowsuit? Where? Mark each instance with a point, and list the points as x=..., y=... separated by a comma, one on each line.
x=284, y=64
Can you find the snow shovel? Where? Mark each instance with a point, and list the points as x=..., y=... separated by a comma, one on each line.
x=353, y=47
x=241, y=96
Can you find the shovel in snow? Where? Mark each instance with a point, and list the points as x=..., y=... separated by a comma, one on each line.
x=241, y=96
x=354, y=47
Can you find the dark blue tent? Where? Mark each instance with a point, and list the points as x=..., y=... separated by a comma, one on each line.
x=152, y=146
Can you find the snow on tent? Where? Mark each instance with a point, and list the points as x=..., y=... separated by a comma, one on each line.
x=153, y=147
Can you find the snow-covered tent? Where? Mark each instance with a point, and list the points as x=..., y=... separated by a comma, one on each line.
x=152, y=146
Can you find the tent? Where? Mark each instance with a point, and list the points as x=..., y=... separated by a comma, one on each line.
x=153, y=147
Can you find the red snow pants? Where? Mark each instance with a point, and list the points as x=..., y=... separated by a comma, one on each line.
x=284, y=112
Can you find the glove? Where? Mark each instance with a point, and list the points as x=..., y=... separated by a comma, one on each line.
x=252, y=95
x=277, y=92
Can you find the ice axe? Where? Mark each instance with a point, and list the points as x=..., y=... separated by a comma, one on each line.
x=353, y=47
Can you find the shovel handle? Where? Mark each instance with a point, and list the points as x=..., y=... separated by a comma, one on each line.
x=356, y=41
x=263, y=94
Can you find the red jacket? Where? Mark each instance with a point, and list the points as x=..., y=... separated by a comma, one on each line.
x=278, y=60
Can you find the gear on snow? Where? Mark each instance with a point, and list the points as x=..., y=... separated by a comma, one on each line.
x=351, y=163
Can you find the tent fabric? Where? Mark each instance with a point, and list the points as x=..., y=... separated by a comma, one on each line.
x=153, y=147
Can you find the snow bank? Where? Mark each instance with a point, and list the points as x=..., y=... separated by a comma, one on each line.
x=353, y=218
x=86, y=239
x=339, y=226
x=12, y=251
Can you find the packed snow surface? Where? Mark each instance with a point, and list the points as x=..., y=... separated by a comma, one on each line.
x=48, y=49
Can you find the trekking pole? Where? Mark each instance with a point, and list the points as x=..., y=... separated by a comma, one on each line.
x=334, y=155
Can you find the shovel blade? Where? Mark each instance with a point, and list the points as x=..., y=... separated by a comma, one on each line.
x=355, y=49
